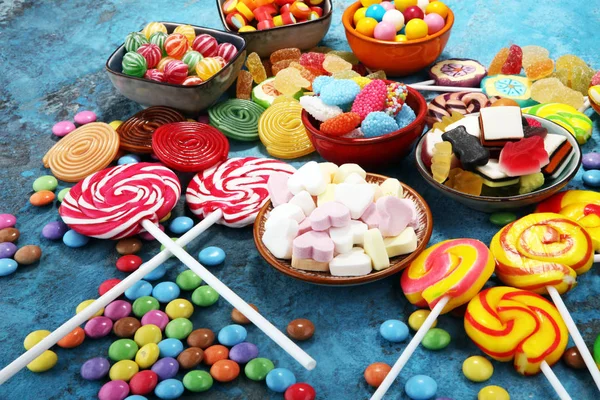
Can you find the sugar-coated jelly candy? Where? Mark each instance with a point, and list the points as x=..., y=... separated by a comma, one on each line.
x=256, y=68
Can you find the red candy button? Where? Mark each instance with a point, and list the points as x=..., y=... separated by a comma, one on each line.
x=107, y=285
x=300, y=391
x=143, y=382
x=129, y=263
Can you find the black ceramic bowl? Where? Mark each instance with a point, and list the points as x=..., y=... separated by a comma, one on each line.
x=191, y=100
x=303, y=35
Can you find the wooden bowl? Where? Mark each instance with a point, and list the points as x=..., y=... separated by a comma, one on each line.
x=324, y=278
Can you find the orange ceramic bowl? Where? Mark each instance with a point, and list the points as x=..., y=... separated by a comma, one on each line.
x=370, y=152
x=395, y=58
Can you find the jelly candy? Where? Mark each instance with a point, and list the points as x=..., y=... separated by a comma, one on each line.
x=531, y=182
x=305, y=72
x=377, y=75
x=568, y=62
x=467, y=147
x=313, y=60
x=268, y=67
x=441, y=161
x=279, y=65
x=289, y=81
x=464, y=181
x=341, y=124
x=321, y=49
x=525, y=157
x=333, y=63
x=499, y=59
x=243, y=87
x=539, y=69
x=581, y=78
x=256, y=68
x=347, y=74
x=551, y=90
x=447, y=120
x=346, y=56
x=514, y=61
x=533, y=54
x=362, y=81
x=291, y=53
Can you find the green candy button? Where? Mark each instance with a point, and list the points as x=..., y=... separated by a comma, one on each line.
x=45, y=182
x=258, y=368
x=188, y=280
x=179, y=328
x=122, y=349
x=205, y=296
x=436, y=339
x=502, y=218
x=197, y=381
x=62, y=194
x=144, y=304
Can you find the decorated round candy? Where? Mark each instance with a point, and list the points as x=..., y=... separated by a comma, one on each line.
x=457, y=72
x=136, y=132
x=188, y=31
x=238, y=187
x=151, y=53
x=158, y=38
x=519, y=325
x=110, y=204
x=134, y=64
x=227, y=51
x=579, y=124
x=155, y=75
x=457, y=268
x=191, y=58
x=281, y=130
x=540, y=250
x=208, y=67
x=396, y=95
x=461, y=102
x=154, y=27
x=176, y=72
x=236, y=118
x=515, y=87
x=189, y=146
x=176, y=45
x=134, y=41
x=192, y=80
x=206, y=45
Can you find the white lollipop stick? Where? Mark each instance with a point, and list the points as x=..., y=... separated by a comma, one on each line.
x=81, y=318
x=443, y=88
x=410, y=349
x=577, y=338
x=586, y=104
x=597, y=258
x=556, y=385
x=269, y=329
x=429, y=82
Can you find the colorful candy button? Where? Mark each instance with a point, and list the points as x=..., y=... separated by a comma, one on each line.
x=170, y=347
x=7, y=221
x=394, y=330
x=417, y=318
x=85, y=117
x=280, y=379
x=181, y=225
x=477, y=369
x=147, y=355
x=129, y=159
x=45, y=182
x=123, y=370
x=7, y=266
x=188, y=280
x=34, y=338
x=258, y=368
x=211, y=256
x=63, y=128
x=156, y=274
x=493, y=393
x=81, y=306
x=95, y=368
x=155, y=317
x=179, y=328
x=143, y=305
x=231, y=335
x=165, y=292
x=54, y=230
x=147, y=334
x=205, y=296
x=139, y=289
x=123, y=349
x=179, y=308
x=169, y=389
x=44, y=362
x=436, y=339
x=74, y=239
x=197, y=381
x=63, y=192
x=420, y=387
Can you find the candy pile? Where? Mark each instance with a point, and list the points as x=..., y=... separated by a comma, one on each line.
x=179, y=58
x=401, y=20
x=591, y=163
x=250, y=15
x=353, y=228
x=499, y=153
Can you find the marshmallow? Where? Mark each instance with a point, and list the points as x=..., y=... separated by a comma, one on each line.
x=355, y=178
x=314, y=245
x=346, y=169
x=278, y=188
x=356, y=197
x=375, y=248
x=392, y=187
x=394, y=215
x=329, y=215
x=328, y=195
x=404, y=243
x=308, y=177
x=285, y=211
x=353, y=263
x=328, y=169
x=279, y=238
x=346, y=237
x=305, y=201
x=307, y=264
x=370, y=217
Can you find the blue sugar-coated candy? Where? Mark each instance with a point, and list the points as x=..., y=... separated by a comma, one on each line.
x=377, y=124
x=592, y=178
x=7, y=266
x=405, y=117
x=394, y=330
x=211, y=256
x=169, y=389
x=341, y=93
x=157, y=273
x=166, y=291
x=231, y=335
x=279, y=379
x=181, y=225
x=74, y=239
x=320, y=82
x=421, y=387
x=139, y=289
x=170, y=347
x=129, y=159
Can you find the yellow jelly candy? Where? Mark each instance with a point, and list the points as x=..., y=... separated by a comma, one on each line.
x=147, y=355
x=359, y=14
x=34, y=338
x=416, y=29
x=493, y=393
x=86, y=303
x=362, y=81
x=44, y=362
x=366, y=26
x=289, y=81
x=417, y=318
x=400, y=38
x=247, y=28
x=441, y=161
x=123, y=370
x=147, y=334
x=333, y=63
x=477, y=369
x=179, y=308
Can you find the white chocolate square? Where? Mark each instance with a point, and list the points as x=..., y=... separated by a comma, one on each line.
x=501, y=123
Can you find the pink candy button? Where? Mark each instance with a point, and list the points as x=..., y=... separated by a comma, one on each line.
x=7, y=221
x=63, y=128
x=85, y=117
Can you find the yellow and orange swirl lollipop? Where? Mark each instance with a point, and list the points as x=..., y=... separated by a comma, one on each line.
x=541, y=250
x=519, y=325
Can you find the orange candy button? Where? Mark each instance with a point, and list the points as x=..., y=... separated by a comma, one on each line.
x=72, y=339
x=225, y=370
x=215, y=353
x=41, y=198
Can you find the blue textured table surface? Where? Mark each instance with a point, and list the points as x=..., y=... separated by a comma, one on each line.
x=52, y=65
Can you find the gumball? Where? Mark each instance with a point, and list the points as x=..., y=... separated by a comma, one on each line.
x=206, y=45
x=385, y=31
x=367, y=3
x=422, y=4
x=176, y=71
x=416, y=29
x=434, y=22
x=366, y=26
x=376, y=11
x=412, y=12
x=437, y=7
x=227, y=51
x=388, y=5
x=394, y=17
x=151, y=53
x=359, y=14
x=176, y=45
x=402, y=5
x=134, y=64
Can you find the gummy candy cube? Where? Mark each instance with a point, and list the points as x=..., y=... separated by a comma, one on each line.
x=539, y=69
x=441, y=161
x=533, y=54
x=514, y=61
x=243, y=87
x=333, y=63
x=499, y=59
x=347, y=74
x=291, y=53
x=377, y=75
x=279, y=65
x=289, y=81
x=346, y=56
x=340, y=125
x=313, y=60
x=464, y=181
x=256, y=68
x=581, y=78
x=267, y=66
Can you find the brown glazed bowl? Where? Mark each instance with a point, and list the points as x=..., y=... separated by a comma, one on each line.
x=190, y=100
x=397, y=264
x=303, y=35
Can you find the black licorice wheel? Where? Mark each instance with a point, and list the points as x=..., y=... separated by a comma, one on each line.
x=136, y=132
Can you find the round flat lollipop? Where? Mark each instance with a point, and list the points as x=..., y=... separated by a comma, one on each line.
x=514, y=87
x=136, y=132
x=84, y=151
x=238, y=187
x=110, y=204
x=579, y=124
x=281, y=130
x=461, y=72
x=236, y=118
x=189, y=146
x=461, y=102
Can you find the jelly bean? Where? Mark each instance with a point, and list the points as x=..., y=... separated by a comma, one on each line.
x=44, y=362
x=502, y=218
x=179, y=308
x=205, y=296
x=225, y=370
x=181, y=225
x=7, y=266
x=215, y=353
x=169, y=389
x=84, y=117
x=156, y=274
x=591, y=178
x=128, y=263
x=243, y=352
x=113, y=390
x=197, y=381
x=147, y=355
x=420, y=387
x=123, y=370
x=107, y=285
x=493, y=392
x=45, y=182
x=436, y=339
x=300, y=391
x=301, y=329
x=258, y=368
x=143, y=382
x=28, y=255
x=179, y=328
x=7, y=249
x=34, y=338
x=63, y=128
x=72, y=339
x=139, y=289
x=98, y=327
x=7, y=221
x=84, y=305
x=54, y=230
x=95, y=368
x=166, y=368
x=376, y=373
x=394, y=330
x=589, y=161
x=279, y=379
x=166, y=291
x=170, y=347
x=239, y=318
x=115, y=124
x=147, y=334
x=42, y=198
x=190, y=357
x=202, y=338
x=573, y=358
x=155, y=317
x=74, y=239
x=188, y=280
x=117, y=309
x=477, y=369
x=231, y=335
x=129, y=159
x=61, y=195
x=126, y=327
x=417, y=318
x=211, y=256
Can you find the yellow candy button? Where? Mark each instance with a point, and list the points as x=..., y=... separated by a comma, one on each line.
x=44, y=362
x=147, y=334
x=86, y=303
x=123, y=370
x=179, y=308
x=115, y=124
x=34, y=338
x=147, y=355
x=493, y=393
x=417, y=318
x=477, y=369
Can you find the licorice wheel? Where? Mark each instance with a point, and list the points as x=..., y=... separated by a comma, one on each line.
x=189, y=146
x=136, y=132
x=236, y=118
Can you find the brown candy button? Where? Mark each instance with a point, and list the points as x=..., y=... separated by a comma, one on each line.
x=573, y=359
x=239, y=318
x=201, y=338
x=28, y=254
x=9, y=235
x=126, y=327
x=129, y=246
x=301, y=329
x=190, y=357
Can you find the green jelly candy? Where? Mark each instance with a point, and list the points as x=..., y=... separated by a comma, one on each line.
x=502, y=218
x=597, y=350
x=197, y=381
x=436, y=339
x=123, y=349
x=62, y=194
x=258, y=368
x=144, y=304
x=45, y=182
x=205, y=296
x=188, y=280
x=179, y=328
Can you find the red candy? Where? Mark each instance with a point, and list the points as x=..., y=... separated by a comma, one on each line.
x=192, y=80
x=151, y=53
x=155, y=75
x=176, y=72
x=227, y=51
x=341, y=124
x=527, y=156
x=129, y=263
x=300, y=391
x=413, y=12
x=107, y=285
x=371, y=98
x=534, y=123
x=143, y=382
x=314, y=61
x=205, y=45
x=266, y=24
x=318, y=10
x=514, y=62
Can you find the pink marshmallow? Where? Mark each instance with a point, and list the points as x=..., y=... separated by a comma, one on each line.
x=371, y=216
x=329, y=214
x=394, y=215
x=278, y=188
x=304, y=226
x=315, y=245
